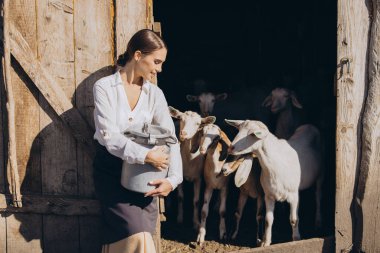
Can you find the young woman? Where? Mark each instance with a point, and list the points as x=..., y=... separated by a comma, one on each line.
x=122, y=99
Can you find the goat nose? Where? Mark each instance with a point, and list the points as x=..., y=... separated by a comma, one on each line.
x=231, y=148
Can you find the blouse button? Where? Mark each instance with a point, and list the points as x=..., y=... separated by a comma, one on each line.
x=130, y=119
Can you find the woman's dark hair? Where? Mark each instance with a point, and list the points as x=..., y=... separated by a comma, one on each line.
x=145, y=41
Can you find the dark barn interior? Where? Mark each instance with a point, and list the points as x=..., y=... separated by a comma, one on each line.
x=246, y=49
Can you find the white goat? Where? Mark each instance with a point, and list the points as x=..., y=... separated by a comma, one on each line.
x=287, y=166
x=206, y=101
x=214, y=144
x=282, y=102
x=247, y=179
x=192, y=160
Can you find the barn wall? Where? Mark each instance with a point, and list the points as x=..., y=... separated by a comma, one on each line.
x=76, y=43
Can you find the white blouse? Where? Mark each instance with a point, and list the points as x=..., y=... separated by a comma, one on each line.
x=113, y=115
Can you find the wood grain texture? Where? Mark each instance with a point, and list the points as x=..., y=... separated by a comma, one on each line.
x=93, y=60
x=56, y=54
x=315, y=245
x=27, y=107
x=12, y=165
x=3, y=234
x=353, y=23
x=90, y=234
x=50, y=204
x=24, y=233
x=3, y=131
x=130, y=17
x=367, y=229
x=50, y=89
x=60, y=233
x=55, y=38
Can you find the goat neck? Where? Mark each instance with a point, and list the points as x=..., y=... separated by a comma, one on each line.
x=286, y=122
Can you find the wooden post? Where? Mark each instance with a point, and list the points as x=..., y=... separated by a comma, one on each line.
x=353, y=26
x=12, y=168
x=367, y=195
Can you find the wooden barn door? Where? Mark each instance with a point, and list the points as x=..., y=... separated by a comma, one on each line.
x=358, y=112
x=59, y=49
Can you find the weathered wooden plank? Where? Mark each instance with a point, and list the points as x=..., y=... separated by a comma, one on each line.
x=3, y=234
x=93, y=60
x=315, y=245
x=131, y=16
x=3, y=132
x=24, y=233
x=12, y=165
x=367, y=215
x=60, y=233
x=55, y=38
x=46, y=204
x=90, y=234
x=353, y=25
x=56, y=54
x=27, y=107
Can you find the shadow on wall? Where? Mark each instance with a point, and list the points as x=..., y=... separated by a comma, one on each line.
x=58, y=165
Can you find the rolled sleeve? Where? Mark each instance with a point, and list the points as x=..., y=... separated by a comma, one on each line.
x=108, y=133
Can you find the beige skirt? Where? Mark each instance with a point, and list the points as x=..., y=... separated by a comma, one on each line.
x=137, y=243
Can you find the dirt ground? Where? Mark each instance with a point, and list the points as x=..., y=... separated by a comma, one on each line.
x=181, y=238
x=177, y=239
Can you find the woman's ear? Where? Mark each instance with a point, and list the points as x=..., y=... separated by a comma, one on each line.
x=137, y=55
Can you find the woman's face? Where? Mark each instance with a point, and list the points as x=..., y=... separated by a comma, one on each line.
x=149, y=65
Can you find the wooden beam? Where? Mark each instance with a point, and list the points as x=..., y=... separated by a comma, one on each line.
x=353, y=27
x=315, y=245
x=157, y=28
x=367, y=202
x=49, y=204
x=49, y=88
x=12, y=168
x=149, y=14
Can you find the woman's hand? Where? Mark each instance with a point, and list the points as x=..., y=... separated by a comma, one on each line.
x=158, y=158
x=163, y=188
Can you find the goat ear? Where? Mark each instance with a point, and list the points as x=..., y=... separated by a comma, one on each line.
x=295, y=101
x=234, y=123
x=191, y=98
x=208, y=120
x=195, y=142
x=221, y=96
x=243, y=171
x=175, y=113
x=267, y=101
x=260, y=131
